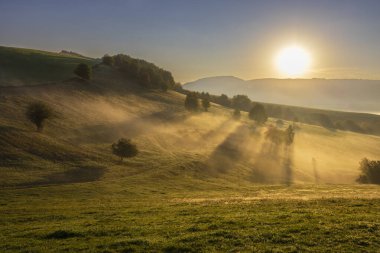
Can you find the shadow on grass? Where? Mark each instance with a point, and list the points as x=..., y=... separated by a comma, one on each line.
x=232, y=150
x=274, y=164
x=75, y=175
x=62, y=234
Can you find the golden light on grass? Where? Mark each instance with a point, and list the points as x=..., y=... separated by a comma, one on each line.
x=293, y=61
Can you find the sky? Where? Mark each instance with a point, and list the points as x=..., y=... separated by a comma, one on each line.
x=201, y=38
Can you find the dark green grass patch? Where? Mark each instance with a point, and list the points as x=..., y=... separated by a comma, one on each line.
x=62, y=234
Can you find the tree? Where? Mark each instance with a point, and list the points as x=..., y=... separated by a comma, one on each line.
x=205, y=104
x=370, y=172
x=83, y=71
x=289, y=135
x=241, y=102
x=236, y=114
x=124, y=148
x=191, y=102
x=37, y=113
x=223, y=100
x=258, y=114
x=108, y=60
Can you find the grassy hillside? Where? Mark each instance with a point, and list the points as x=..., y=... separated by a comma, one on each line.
x=201, y=182
x=91, y=116
x=19, y=66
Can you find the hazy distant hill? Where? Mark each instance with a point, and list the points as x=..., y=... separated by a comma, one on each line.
x=337, y=94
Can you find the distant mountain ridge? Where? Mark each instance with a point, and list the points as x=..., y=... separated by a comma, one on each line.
x=338, y=94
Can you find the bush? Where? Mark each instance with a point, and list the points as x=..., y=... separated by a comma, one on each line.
x=146, y=74
x=191, y=102
x=108, y=60
x=241, y=102
x=258, y=114
x=83, y=71
x=236, y=114
x=205, y=104
x=289, y=135
x=37, y=113
x=223, y=100
x=370, y=172
x=124, y=149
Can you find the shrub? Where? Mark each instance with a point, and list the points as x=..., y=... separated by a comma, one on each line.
x=370, y=172
x=223, y=100
x=191, y=102
x=146, y=74
x=241, y=102
x=236, y=114
x=205, y=104
x=108, y=60
x=258, y=114
x=124, y=148
x=83, y=71
x=289, y=135
x=37, y=113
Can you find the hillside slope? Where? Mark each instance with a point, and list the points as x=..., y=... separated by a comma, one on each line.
x=19, y=66
x=175, y=144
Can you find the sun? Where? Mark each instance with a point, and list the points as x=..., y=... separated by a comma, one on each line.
x=293, y=61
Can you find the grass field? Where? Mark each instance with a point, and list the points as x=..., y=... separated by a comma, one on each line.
x=129, y=217
x=201, y=182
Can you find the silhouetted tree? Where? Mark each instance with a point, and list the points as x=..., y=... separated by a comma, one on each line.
x=241, y=102
x=145, y=73
x=236, y=114
x=144, y=78
x=124, y=148
x=191, y=102
x=289, y=135
x=108, y=60
x=205, y=104
x=37, y=113
x=223, y=100
x=258, y=114
x=83, y=71
x=370, y=172
x=178, y=87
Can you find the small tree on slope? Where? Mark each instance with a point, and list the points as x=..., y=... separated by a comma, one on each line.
x=83, y=71
x=37, y=113
x=124, y=148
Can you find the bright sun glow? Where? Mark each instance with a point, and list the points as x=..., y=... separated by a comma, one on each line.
x=293, y=61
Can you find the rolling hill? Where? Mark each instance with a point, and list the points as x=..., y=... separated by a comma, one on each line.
x=19, y=66
x=328, y=94
x=95, y=114
x=201, y=182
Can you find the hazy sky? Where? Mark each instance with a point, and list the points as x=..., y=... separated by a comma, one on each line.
x=195, y=39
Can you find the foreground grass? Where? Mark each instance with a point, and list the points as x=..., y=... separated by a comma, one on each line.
x=99, y=217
